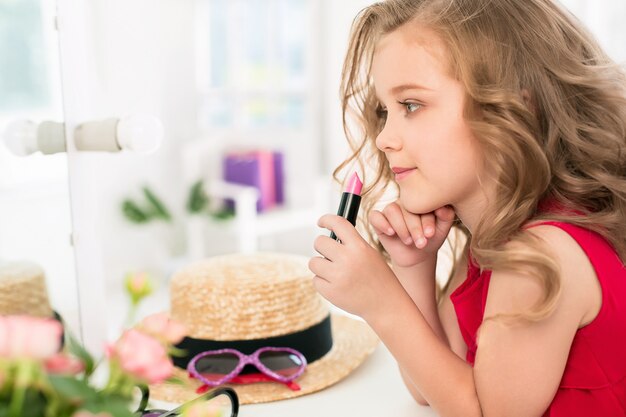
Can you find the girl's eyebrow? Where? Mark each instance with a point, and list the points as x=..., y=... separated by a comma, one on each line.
x=403, y=87
x=400, y=88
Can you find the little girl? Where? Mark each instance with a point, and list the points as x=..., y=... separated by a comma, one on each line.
x=502, y=119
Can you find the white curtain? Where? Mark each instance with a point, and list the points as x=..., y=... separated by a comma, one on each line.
x=606, y=20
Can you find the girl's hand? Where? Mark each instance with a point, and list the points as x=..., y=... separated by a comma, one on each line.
x=352, y=274
x=410, y=238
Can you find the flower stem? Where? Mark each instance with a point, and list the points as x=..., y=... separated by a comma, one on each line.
x=130, y=317
x=24, y=370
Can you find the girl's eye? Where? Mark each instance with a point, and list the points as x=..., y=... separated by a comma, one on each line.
x=411, y=107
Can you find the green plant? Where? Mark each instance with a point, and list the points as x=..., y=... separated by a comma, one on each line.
x=37, y=379
x=198, y=203
x=152, y=209
x=198, y=200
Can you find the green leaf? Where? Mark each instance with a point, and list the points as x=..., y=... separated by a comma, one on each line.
x=113, y=404
x=175, y=380
x=158, y=208
x=198, y=200
x=224, y=214
x=78, y=350
x=133, y=213
x=74, y=390
x=177, y=352
x=34, y=404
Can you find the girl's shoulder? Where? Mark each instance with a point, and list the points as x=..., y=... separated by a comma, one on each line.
x=581, y=291
x=532, y=355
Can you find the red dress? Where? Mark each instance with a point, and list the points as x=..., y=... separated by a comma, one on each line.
x=594, y=380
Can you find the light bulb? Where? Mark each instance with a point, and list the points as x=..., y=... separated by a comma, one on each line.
x=24, y=137
x=140, y=133
x=20, y=137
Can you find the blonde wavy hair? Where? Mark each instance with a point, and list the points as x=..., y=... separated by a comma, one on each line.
x=546, y=105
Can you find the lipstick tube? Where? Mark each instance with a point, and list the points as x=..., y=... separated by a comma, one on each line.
x=350, y=201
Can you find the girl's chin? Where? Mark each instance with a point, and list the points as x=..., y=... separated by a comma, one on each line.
x=418, y=207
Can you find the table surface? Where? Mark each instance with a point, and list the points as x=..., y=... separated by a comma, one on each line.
x=374, y=389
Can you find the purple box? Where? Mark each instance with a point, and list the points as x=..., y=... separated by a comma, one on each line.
x=279, y=178
x=260, y=169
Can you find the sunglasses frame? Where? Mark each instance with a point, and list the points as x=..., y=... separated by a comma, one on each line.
x=252, y=359
x=229, y=392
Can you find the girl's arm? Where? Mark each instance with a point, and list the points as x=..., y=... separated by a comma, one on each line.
x=419, y=283
x=518, y=368
x=412, y=242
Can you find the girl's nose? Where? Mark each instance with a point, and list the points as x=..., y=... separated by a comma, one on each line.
x=387, y=140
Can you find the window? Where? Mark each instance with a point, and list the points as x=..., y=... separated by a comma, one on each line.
x=29, y=86
x=22, y=45
x=258, y=84
x=253, y=57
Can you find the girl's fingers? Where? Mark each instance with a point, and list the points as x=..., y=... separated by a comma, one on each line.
x=380, y=224
x=321, y=267
x=322, y=286
x=445, y=219
x=325, y=246
x=395, y=217
x=343, y=229
x=428, y=225
x=414, y=223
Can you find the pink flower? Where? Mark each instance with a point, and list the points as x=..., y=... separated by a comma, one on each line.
x=161, y=326
x=142, y=356
x=138, y=285
x=138, y=282
x=4, y=337
x=64, y=364
x=29, y=337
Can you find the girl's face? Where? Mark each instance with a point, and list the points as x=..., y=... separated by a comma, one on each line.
x=426, y=139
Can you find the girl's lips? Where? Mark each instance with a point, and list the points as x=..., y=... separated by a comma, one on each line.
x=402, y=172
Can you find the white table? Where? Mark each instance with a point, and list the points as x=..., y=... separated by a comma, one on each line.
x=374, y=389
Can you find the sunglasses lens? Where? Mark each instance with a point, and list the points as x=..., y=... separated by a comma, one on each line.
x=215, y=367
x=282, y=362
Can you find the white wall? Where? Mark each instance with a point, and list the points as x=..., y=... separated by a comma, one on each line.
x=605, y=19
x=143, y=56
x=121, y=58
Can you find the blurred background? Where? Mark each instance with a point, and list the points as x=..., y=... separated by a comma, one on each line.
x=193, y=128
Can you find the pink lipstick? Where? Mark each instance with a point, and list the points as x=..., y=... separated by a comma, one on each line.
x=350, y=201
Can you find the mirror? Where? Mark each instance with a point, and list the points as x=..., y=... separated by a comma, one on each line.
x=37, y=271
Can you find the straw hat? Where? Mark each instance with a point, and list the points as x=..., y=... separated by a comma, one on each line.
x=23, y=290
x=258, y=299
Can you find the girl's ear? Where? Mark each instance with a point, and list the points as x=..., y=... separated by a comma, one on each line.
x=526, y=97
x=528, y=100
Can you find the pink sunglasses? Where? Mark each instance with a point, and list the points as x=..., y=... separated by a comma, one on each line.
x=217, y=367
